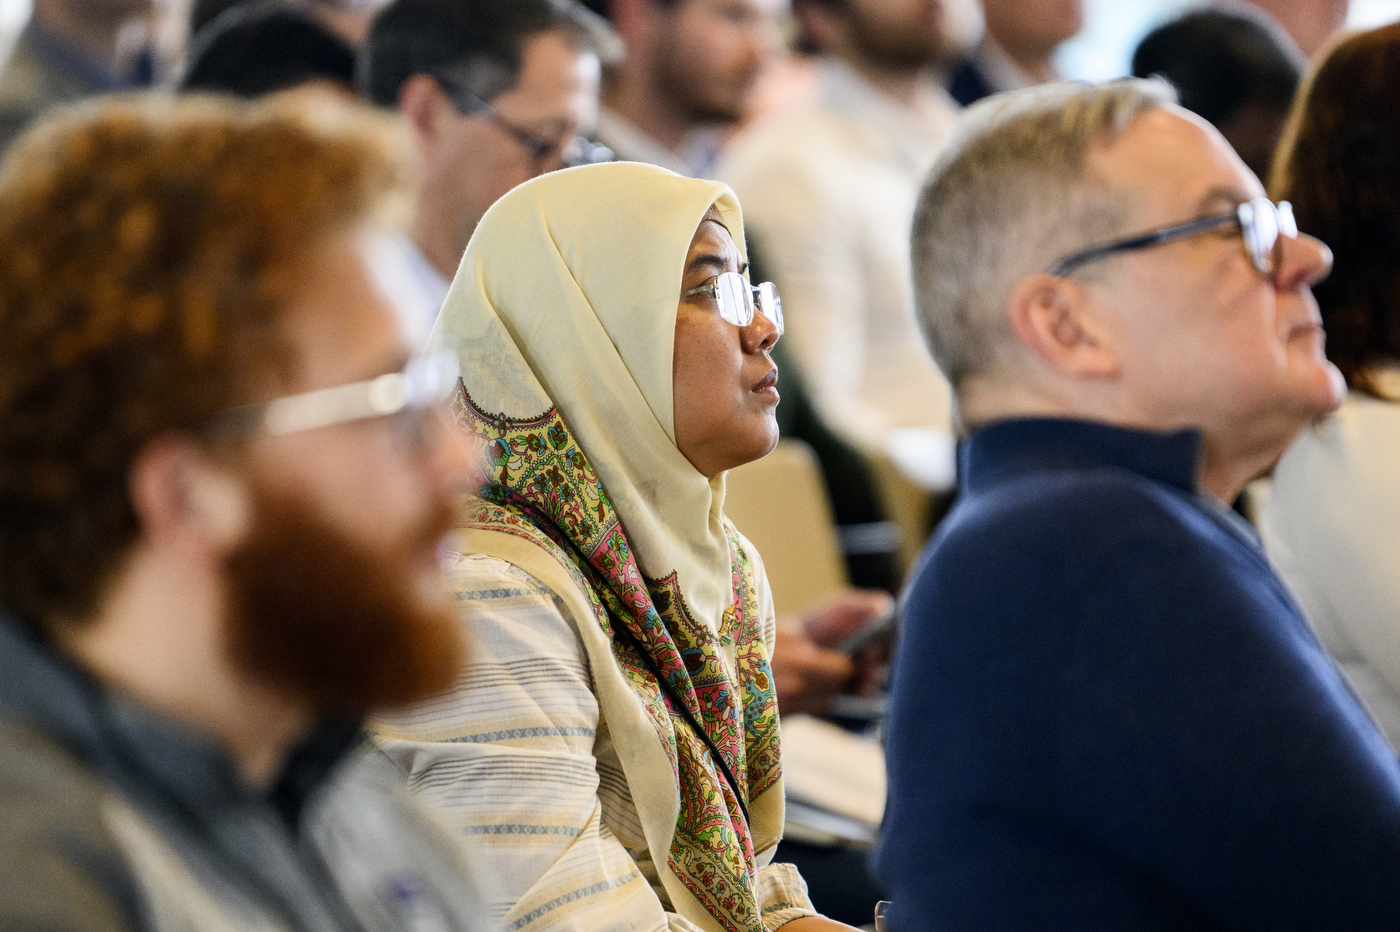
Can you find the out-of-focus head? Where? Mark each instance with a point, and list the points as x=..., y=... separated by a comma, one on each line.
x=212, y=255
x=704, y=55
x=1339, y=163
x=495, y=91
x=1310, y=22
x=1184, y=333
x=1235, y=68
x=900, y=35
x=1033, y=29
x=349, y=19
x=263, y=48
x=586, y=269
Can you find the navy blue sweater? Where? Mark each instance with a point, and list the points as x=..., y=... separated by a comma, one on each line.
x=1108, y=712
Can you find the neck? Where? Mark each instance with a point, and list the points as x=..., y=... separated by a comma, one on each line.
x=96, y=36
x=1037, y=63
x=1225, y=470
x=435, y=236
x=159, y=639
x=640, y=101
x=903, y=84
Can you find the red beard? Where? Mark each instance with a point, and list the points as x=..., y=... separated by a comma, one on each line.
x=334, y=622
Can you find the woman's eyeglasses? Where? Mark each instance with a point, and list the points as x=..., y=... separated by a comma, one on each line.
x=738, y=300
x=1261, y=222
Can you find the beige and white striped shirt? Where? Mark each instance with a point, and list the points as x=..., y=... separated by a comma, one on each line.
x=518, y=758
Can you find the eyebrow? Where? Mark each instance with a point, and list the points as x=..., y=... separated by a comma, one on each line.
x=1221, y=195
x=713, y=259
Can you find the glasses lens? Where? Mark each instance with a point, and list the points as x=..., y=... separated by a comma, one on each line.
x=734, y=298
x=430, y=379
x=770, y=304
x=1260, y=225
x=580, y=151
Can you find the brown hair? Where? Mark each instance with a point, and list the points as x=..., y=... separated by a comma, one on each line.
x=1339, y=163
x=146, y=249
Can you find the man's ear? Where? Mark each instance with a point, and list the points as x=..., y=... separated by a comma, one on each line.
x=424, y=106
x=185, y=500
x=1053, y=318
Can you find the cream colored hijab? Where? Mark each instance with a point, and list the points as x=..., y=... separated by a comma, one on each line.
x=563, y=314
x=554, y=305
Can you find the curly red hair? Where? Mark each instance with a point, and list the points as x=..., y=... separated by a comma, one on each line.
x=146, y=249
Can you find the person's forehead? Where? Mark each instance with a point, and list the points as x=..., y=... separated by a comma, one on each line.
x=552, y=64
x=342, y=326
x=1173, y=164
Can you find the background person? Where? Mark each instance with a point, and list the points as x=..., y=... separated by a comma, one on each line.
x=1106, y=708
x=494, y=93
x=621, y=697
x=1235, y=68
x=1018, y=49
x=263, y=48
x=197, y=609
x=1311, y=23
x=70, y=50
x=687, y=79
x=828, y=193
x=1330, y=519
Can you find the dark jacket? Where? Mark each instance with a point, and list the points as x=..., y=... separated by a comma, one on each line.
x=1109, y=713
x=115, y=818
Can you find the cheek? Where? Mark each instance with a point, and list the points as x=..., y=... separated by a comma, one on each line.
x=708, y=363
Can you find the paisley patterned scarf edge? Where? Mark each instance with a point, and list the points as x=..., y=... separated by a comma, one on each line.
x=538, y=485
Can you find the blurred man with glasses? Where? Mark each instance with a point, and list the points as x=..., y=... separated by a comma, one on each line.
x=226, y=480
x=1108, y=710
x=494, y=92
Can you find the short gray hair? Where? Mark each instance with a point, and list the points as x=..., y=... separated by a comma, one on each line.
x=1009, y=197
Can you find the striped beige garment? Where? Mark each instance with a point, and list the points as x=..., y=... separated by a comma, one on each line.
x=519, y=761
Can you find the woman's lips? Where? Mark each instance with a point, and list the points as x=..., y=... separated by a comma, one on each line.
x=768, y=383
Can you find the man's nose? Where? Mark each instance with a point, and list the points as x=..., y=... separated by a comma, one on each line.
x=1305, y=261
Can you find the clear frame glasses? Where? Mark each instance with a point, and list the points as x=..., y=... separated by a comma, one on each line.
x=1261, y=223
x=571, y=150
x=409, y=397
x=738, y=300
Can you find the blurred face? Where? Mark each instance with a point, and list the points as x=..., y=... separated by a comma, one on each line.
x=477, y=160
x=1310, y=22
x=1033, y=27
x=724, y=383
x=709, y=53
x=1204, y=340
x=335, y=592
x=904, y=34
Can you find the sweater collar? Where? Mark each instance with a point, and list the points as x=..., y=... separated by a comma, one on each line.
x=1008, y=448
x=141, y=750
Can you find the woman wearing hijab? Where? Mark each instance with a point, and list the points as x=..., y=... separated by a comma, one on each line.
x=611, y=753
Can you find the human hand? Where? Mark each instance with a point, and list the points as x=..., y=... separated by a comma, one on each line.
x=807, y=672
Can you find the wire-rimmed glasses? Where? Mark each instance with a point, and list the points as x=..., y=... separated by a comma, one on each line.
x=571, y=150
x=1261, y=222
x=409, y=397
x=738, y=300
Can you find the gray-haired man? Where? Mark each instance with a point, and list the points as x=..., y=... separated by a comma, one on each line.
x=1108, y=711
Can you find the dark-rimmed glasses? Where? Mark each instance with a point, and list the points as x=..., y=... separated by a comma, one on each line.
x=737, y=299
x=409, y=397
x=1261, y=222
x=571, y=150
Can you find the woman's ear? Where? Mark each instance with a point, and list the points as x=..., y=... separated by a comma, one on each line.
x=186, y=500
x=1056, y=319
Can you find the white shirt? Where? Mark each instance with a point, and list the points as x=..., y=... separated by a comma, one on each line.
x=414, y=284
x=631, y=143
x=828, y=194
x=1331, y=523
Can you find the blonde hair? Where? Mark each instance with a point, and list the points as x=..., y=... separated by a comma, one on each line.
x=1010, y=196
